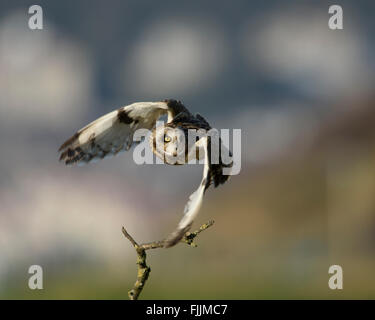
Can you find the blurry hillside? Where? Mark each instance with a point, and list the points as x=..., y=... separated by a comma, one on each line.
x=301, y=94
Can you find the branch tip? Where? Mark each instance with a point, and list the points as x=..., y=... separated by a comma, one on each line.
x=143, y=269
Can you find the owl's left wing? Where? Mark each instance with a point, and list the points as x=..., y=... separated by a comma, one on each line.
x=111, y=133
x=212, y=174
x=194, y=203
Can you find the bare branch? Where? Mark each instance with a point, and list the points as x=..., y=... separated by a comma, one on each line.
x=143, y=269
x=190, y=236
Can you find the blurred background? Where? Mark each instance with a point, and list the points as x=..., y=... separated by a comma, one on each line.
x=301, y=93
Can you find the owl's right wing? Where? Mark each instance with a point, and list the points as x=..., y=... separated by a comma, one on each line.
x=111, y=133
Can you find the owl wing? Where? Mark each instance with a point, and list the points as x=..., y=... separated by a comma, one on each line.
x=194, y=203
x=111, y=133
x=212, y=174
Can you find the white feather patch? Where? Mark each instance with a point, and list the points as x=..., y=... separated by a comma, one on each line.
x=193, y=205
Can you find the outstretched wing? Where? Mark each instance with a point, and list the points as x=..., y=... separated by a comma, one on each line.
x=212, y=174
x=194, y=203
x=111, y=133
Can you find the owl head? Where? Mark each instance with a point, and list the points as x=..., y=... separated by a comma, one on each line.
x=169, y=144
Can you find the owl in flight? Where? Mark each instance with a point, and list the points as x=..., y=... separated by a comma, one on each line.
x=114, y=132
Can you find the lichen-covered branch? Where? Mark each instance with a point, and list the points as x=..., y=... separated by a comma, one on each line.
x=143, y=269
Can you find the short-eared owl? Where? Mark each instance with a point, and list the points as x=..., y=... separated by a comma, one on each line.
x=114, y=132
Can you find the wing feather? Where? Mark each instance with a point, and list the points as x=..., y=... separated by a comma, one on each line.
x=212, y=174
x=194, y=203
x=111, y=133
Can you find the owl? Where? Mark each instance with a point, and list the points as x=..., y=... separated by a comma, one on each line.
x=114, y=132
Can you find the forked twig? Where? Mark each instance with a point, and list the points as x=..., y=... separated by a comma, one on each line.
x=143, y=269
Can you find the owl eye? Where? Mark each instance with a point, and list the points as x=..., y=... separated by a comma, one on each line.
x=167, y=139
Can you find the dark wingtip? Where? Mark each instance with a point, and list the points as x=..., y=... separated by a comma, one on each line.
x=69, y=141
x=63, y=155
x=71, y=156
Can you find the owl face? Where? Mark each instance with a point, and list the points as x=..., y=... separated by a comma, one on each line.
x=169, y=144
